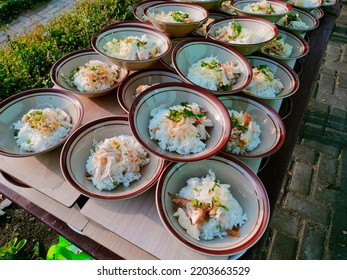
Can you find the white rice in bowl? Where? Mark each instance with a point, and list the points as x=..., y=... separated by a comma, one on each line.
x=180, y=128
x=94, y=76
x=245, y=133
x=235, y=33
x=133, y=48
x=277, y=47
x=172, y=17
x=40, y=129
x=264, y=83
x=293, y=20
x=206, y=209
x=117, y=160
x=263, y=7
x=211, y=73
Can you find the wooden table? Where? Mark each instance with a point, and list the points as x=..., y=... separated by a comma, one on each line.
x=100, y=228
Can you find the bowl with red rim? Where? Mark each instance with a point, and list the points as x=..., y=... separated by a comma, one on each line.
x=306, y=5
x=261, y=143
x=77, y=150
x=16, y=108
x=271, y=10
x=299, y=21
x=187, y=54
x=132, y=45
x=243, y=33
x=174, y=18
x=245, y=187
x=140, y=80
x=173, y=134
x=292, y=41
x=207, y=4
x=64, y=70
x=281, y=72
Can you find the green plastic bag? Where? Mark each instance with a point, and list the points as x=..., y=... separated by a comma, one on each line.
x=65, y=250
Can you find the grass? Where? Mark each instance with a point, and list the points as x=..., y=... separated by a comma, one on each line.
x=26, y=60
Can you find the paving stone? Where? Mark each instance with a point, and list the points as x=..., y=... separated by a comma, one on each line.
x=305, y=154
x=313, y=242
x=285, y=222
x=321, y=147
x=301, y=178
x=335, y=137
x=327, y=82
x=284, y=247
x=337, y=119
x=308, y=209
x=327, y=170
x=338, y=238
x=342, y=79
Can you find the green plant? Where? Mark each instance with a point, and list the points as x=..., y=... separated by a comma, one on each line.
x=9, y=9
x=11, y=250
x=26, y=60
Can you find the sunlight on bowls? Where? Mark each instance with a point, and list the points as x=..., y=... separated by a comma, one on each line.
x=15, y=107
x=253, y=33
x=298, y=45
x=190, y=51
x=159, y=15
x=172, y=94
x=271, y=10
x=281, y=71
x=245, y=187
x=77, y=149
x=115, y=43
x=272, y=128
x=139, y=81
x=63, y=69
x=201, y=30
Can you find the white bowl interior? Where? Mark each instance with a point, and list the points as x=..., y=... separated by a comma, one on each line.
x=126, y=29
x=14, y=110
x=196, y=13
x=72, y=61
x=127, y=91
x=187, y=54
x=271, y=125
x=171, y=95
x=77, y=150
x=300, y=46
x=280, y=8
x=288, y=78
x=245, y=187
x=311, y=21
x=263, y=30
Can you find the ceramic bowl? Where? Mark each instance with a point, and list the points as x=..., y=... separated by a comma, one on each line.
x=262, y=29
x=207, y=4
x=318, y=13
x=171, y=94
x=140, y=8
x=201, y=30
x=281, y=71
x=272, y=128
x=125, y=29
x=300, y=46
x=227, y=7
x=246, y=188
x=13, y=108
x=77, y=149
x=127, y=90
x=189, y=51
x=280, y=9
x=64, y=67
x=196, y=13
x=306, y=5
x=310, y=21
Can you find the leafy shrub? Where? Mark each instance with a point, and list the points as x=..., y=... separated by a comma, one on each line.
x=13, y=248
x=9, y=9
x=26, y=60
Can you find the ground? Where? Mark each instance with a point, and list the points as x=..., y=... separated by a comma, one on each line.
x=16, y=222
